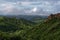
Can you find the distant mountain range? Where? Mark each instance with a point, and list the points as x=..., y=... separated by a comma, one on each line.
x=27, y=17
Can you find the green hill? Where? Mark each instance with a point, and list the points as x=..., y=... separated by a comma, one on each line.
x=13, y=24
x=48, y=30
x=21, y=29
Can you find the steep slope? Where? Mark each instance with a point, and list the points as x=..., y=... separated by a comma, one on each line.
x=48, y=30
x=13, y=24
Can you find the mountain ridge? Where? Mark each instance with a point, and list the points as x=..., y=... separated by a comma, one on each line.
x=49, y=29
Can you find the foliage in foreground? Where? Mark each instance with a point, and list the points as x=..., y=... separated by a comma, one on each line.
x=21, y=29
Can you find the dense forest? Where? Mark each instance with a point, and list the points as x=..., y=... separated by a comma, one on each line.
x=22, y=29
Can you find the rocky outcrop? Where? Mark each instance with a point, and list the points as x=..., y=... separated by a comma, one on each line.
x=57, y=16
x=54, y=15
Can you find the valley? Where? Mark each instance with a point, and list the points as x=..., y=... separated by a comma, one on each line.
x=30, y=28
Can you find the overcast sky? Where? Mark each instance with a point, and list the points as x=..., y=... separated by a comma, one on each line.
x=29, y=7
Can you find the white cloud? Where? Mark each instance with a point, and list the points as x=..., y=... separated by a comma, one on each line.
x=7, y=7
x=33, y=7
x=23, y=3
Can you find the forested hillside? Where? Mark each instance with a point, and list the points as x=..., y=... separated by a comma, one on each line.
x=22, y=29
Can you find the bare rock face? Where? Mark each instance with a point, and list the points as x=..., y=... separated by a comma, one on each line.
x=54, y=16
x=57, y=16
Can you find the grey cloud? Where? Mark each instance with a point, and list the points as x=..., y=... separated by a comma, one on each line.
x=44, y=7
x=29, y=0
